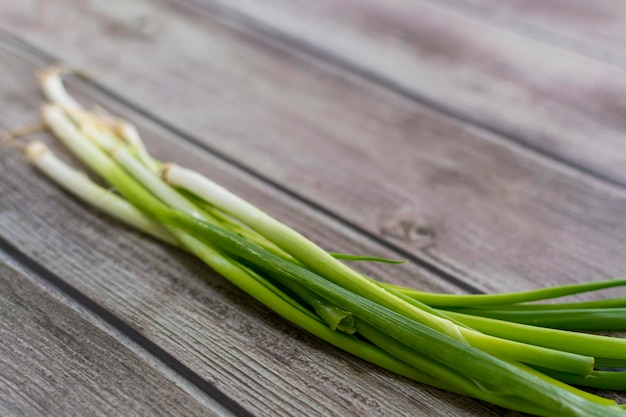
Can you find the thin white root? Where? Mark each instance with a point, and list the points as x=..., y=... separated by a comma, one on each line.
x=10, y=137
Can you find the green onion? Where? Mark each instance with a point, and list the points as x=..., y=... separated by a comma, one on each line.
x=81, y=186
x=454, y=300
x=346, y=257
x=566, y=319
x=468, y=344
x=600, y=347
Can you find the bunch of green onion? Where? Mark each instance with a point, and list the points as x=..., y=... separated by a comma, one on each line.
x=506, y=349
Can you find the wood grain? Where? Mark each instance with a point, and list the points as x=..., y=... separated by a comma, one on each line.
x=458, y=197
x=54, y=361
x=593, y=28
x=261, y=362
x=550, y=99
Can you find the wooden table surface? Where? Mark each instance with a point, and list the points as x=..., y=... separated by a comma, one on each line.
x=482, y=140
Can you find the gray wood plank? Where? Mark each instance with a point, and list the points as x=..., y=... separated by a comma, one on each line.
x=54, y=361
x=550, y=99
x=266, y=365
x=593, y=28
x=460, y=198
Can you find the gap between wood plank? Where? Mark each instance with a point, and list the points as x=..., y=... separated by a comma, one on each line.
x=41, y=271
x=57, y=340
x=235, y=20
x=444, y=274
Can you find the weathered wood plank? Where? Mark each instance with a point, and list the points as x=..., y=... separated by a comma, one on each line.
x=55, y=361
x=266, y=365
x=462, y=199
x=552, y=100
x=593, y=28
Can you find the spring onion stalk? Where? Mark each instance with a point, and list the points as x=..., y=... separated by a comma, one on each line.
x=262, y=223
x=109, y=142
x=281, y=304
x=456, y=384
x=82, y=187
x=436, y=339
x=302, y=249
x=129, y=133
x=616, y=302
x=52, y=86
x=490, y=373
x=507, y=348
x=261, y=290
x=597, y=379
x=347, y=257
x=335, y=317
x=73, y=138
x=227, y=242
x=526, y=353
x=580, y=343
x=566, y=319
x=266, y=260
x=455, y=300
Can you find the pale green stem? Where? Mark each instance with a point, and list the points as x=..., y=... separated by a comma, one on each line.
x=52, y=87
x=131, y=135
x=84, y=188
x=305, y=251
x=474, y=300
x=579, y=343
x=95, y=158
x=530, y=354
